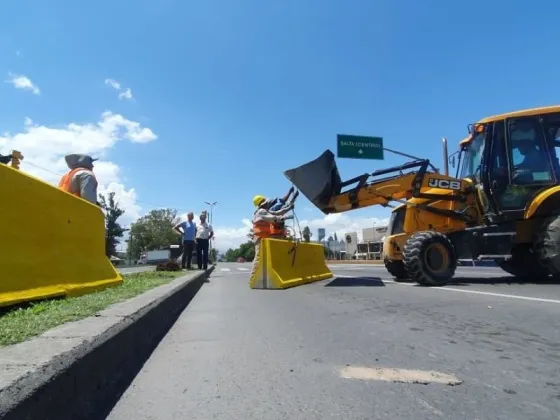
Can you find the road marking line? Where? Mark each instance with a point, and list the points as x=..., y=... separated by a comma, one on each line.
x=477, y=292
x=398, y=375
x=242, y=269
x=474, y=292
x=225, y=269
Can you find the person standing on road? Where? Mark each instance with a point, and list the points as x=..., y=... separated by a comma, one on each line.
x=80, y=180
x=204, y=233
x=188, y=230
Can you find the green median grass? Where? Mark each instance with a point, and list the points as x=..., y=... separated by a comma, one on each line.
x=24, y=322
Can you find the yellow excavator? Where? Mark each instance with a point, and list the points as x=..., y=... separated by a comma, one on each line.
x=503, y=204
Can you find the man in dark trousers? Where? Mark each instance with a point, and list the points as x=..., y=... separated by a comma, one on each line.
x=188, y=230
x=204, y=234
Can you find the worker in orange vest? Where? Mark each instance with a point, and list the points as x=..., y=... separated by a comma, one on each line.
x=263, y=218
x=80, y=180
x=277, y=228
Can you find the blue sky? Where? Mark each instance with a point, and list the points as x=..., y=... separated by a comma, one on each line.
x=238, y=92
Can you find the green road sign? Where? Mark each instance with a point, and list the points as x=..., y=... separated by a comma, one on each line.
x=359, y=147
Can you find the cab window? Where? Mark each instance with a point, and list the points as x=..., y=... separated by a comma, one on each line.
x=530, y=163
x=529, y=155
x=473, y=153
x=396, y=222
x=551, y=124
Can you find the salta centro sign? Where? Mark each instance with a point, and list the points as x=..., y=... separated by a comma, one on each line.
x=359, y=147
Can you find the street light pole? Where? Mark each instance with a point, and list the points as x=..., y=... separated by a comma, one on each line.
x=211, y=220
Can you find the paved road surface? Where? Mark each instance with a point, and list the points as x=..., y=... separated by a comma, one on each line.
x=312, y=352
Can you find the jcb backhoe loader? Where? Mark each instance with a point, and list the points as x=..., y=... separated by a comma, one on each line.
x=502, y=205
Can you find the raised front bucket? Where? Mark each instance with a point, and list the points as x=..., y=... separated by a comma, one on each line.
x=318, y=180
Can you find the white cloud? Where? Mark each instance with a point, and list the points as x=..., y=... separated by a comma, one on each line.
x=113, y=83
x=341, y=223
x=44, y=149
x=123, y=94
x=23, y=82
x=127, y=94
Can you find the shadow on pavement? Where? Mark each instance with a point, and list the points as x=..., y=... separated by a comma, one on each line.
x=466, y=281
x=356, y=282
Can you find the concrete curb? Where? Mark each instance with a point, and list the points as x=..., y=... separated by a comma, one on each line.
x=79, y=370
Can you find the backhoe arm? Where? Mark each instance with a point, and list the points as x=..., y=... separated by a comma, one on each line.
x=319, y=180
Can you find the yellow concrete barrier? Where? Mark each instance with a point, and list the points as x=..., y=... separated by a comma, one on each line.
x=283, y=264
x=51, y=243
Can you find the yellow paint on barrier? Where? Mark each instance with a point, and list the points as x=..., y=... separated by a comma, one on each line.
x=52, y=243
x=284, y=264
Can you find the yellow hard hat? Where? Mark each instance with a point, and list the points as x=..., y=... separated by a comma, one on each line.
x=258, y=200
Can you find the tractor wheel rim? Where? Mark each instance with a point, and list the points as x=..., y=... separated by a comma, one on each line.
x=436, y=258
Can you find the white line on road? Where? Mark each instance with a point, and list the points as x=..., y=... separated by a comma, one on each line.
x=474, y=292
x=225, y=269
x=242, y=269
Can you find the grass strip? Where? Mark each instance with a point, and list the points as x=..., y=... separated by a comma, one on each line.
x=23, y=322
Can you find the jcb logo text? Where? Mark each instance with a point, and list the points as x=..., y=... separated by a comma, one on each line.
x=444, y=184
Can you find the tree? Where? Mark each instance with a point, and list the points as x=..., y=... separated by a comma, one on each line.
x=230, y=255
x=213, y=255
x=113, y=230
x=246, y=250
x=330, y=239
x=335, y=237
x=153, y=232
x=306, y=233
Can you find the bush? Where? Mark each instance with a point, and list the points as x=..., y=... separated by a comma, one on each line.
x=168, y=266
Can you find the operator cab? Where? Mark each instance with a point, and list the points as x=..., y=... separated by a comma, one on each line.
x=512, y=157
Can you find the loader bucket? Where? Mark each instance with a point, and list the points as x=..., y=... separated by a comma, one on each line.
x=318, y=180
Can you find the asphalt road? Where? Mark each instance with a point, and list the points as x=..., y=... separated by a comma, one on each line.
x=347, y=348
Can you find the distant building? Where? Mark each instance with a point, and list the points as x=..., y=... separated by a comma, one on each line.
x=374, y=234
x=351, y=241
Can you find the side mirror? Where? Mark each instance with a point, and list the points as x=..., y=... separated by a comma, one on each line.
x=453, y=161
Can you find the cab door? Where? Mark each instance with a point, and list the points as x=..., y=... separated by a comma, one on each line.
x=529, y=165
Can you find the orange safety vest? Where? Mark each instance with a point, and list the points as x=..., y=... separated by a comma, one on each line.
x=277, y=230
x=66, y=180
x=261, y=228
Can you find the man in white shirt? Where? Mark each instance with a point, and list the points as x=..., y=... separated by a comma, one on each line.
x=204, y=234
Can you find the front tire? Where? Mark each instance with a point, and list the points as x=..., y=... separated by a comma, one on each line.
x=397, y=269
x=429, y=258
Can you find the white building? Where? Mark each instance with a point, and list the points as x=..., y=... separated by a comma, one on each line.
x=374, y=234
x=351, y=241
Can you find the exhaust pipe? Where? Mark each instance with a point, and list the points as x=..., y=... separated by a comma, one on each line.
x=445, y=157
x=318, y=180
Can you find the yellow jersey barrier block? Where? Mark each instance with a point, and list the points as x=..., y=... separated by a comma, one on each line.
x=283, y=264
x=51, y=242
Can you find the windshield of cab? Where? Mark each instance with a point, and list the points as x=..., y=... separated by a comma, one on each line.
x=472, y=156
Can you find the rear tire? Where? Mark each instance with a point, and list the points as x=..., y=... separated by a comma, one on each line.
x=397, y=269
x=429, y=258
x=523, y=264
x=547, y=246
